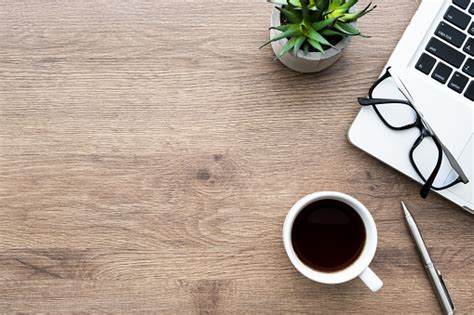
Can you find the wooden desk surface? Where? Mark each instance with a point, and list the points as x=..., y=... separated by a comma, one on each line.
x=149, y=153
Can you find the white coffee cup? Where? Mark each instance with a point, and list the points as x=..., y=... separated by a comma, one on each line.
x=360, y=267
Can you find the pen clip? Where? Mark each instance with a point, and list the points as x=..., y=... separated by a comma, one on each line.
x=445, y=289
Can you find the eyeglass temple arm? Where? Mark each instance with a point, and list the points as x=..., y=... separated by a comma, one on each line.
x=364, y=101
x=429, y=182
x=452, y=160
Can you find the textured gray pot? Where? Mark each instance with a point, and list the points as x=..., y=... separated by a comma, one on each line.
x=313, y=61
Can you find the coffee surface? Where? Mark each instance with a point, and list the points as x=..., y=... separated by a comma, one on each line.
x=328, y=235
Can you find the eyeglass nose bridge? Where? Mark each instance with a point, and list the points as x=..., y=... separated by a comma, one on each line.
x=424, y=132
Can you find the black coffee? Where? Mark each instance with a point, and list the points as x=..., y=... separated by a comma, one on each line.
x=328, y=235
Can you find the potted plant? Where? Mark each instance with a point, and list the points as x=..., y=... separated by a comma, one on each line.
x=311, y=35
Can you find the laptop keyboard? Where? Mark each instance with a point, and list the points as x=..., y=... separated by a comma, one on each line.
x=448, y=57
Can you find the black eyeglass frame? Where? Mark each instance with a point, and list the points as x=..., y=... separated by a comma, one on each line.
x=424, y=132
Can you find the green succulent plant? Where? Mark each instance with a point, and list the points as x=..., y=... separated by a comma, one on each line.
x=311, y=24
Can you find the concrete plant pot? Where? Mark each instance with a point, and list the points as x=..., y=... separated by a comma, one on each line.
x=313, y=61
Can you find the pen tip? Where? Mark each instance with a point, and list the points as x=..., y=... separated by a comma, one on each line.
x=405, y=210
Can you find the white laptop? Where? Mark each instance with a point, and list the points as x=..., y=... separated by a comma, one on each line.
x=435, y=61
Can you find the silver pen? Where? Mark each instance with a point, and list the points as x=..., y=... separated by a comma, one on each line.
x=433, y=274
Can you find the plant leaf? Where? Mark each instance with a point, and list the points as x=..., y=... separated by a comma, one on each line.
x=314, y=16
x=281, y=28
x=316, y=45
x=290, y=44
x=318, y=15
x=351, y=17
x=322, y=5
x=292, y=16
x=347, y=5
x=306, y=48
x=318, y=37
x=329, y=14
x=322, y=24
x=293, y=30
x=299, y=41
x=346, y=28
x=334, y=4
x=304, y=9
x=330, y=32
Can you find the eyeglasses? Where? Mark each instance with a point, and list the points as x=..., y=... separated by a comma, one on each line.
x=432, y=161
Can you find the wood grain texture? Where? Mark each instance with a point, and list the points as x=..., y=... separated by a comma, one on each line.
x=149, y=153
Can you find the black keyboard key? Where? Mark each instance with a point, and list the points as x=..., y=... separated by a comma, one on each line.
x=469, y=67
x=441, y=73
x=457, y=17
x=450, y=34
x=471, y=8
x=461, y=3
x=471, y=29
x=469, y=47
x=445, y=52
x=458, y=82
x=470, y=91
x=425, y=63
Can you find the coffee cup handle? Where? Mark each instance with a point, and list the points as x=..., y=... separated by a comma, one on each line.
x=371, y=280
